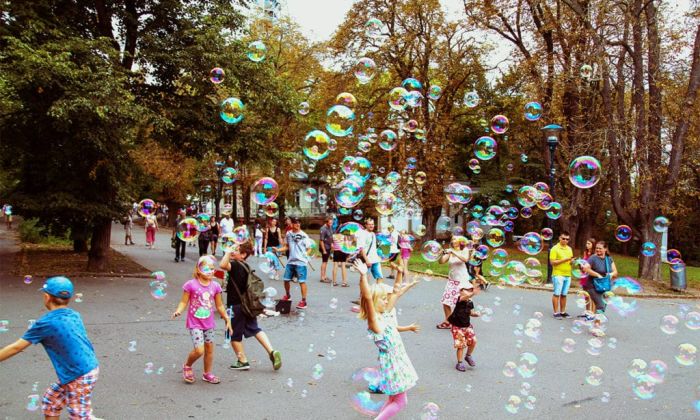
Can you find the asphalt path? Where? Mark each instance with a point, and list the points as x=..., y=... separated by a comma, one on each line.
x=119, y=311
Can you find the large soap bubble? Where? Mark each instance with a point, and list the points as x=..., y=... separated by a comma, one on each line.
x=584, y=171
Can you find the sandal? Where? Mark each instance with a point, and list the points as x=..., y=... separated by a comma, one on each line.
x=211, y=378
x=335, y=284
x=345, y=285
x=325, y=281
x=187, y=374
x=444, y=325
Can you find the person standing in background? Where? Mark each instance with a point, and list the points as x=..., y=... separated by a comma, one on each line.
x=326, y=245
x=128, y=226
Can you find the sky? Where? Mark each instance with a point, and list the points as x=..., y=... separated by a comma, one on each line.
x=319, y=18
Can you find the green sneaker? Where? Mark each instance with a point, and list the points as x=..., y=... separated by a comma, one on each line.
x=276, y=359
x=240, y=366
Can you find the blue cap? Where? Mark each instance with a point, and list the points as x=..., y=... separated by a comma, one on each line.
x=60, y=287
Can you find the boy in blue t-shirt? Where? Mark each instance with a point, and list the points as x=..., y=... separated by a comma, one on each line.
x=62, y=333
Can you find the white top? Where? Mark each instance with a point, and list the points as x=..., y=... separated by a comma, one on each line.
x=458, y=268
x=226, y=225
x=298, y=243
x=258, y=233
x=368, y=242
x=394, y=249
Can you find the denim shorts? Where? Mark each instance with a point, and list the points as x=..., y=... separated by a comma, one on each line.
x=298, y=271
x=376, y=270
x=561, y=285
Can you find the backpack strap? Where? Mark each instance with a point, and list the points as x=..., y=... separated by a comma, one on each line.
x=235, y=286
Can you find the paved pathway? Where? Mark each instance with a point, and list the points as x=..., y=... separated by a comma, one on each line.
x=120, y=310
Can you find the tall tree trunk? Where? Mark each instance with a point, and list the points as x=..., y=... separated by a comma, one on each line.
x=430, y=217
x=98, y=257
x=649, y=267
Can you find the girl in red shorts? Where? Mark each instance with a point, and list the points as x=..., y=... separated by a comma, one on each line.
x=462, y=330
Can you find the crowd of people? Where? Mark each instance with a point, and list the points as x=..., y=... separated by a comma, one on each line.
x=202, y=298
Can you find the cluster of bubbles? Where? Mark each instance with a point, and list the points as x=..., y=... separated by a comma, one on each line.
x=646, y=377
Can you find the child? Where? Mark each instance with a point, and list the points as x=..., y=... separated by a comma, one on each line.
x=398, y=374
x=297, y=243
x=62, y=333
x=202, y=294
x=462, y=330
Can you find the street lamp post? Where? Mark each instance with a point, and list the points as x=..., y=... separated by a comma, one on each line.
x=219, y=186
x=551, y=134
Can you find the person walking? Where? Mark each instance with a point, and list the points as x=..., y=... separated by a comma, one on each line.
x=599, y=265
x=326, y=244
x=258, y=240
x=151, y=227
x=213, y=234
x=203, y=241
x=180, y=245
x=560, y=257
x=128, y=227
x=243, y=325
x=339, y=259
x=272, y=239
x=394, y=252
x=296, y=242
x=202, y=296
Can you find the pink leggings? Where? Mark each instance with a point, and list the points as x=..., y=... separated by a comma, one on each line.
x=393, y=405
x=150, y=235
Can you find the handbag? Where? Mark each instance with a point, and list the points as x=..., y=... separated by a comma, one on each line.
x=602, y=284
x=173, y=242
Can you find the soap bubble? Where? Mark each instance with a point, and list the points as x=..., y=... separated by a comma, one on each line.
x=485, y=148
x=499, y=258
x=568, y=345
x=531, y=243
x=457, y=193
x=147, y=207
x=686, y=355
x=434, y=92
x=228, y=242
x=578, y=268
x=347, y=99
x=584, y=171
x=514, y=273
x=256, y=51
x=4, y=325
x=443, y=224
x=527, y=365
x=349, y=232
x=148, y=369
x=420, y=230
x=554, y=211
x=627, y=285
x=586, y=71
x=316, y=145
x=28, y=279
x=657, y=370
x=547, y=234
x=513, y=404
x=310, y=195
x=304, y=108
x=339, y=120
x=420, y=177
x=374, y=28
x=216, y=75
x=232, y=110
x=692, y=321
x=430, y=411
x=661, y=224
x=644, y=387
x=207, y=265
x=388, y=140
x=669, y=324
x=623, y=233
x=533, y=111
x=471, y=99
x=158, y=289
x=363, y=401
x=648, y=249
x=397, y=98
x=365, y=69
x=431, y=251
x=595, y=376
x=499, y=124
x=317, y=372
x=265, y=191
x=188, y=229
x=509, y=369
x=34, y=402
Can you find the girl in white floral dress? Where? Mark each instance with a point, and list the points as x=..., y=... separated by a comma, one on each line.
x=457, y=278
x=395, y=368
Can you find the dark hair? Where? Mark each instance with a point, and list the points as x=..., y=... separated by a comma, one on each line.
x=564, y=232
x=246, y=248
x=57, y=301
x=593, y=241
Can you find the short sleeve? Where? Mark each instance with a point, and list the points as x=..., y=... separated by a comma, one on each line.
x=553, y=255
x=217, y=288
x=188, y=286
x=37, y=332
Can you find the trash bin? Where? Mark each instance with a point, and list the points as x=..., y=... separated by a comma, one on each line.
x=678, y=280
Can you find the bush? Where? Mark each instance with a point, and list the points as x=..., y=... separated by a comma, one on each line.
x=30, y=231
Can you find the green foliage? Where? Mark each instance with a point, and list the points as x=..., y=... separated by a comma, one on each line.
x=33, y=232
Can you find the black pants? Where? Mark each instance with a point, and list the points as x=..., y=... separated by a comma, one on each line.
x=180, y=246
x=203, y=246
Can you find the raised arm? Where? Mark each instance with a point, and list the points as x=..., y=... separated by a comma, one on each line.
x=366, y=298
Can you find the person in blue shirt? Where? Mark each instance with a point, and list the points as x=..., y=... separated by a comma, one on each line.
x=62, y=333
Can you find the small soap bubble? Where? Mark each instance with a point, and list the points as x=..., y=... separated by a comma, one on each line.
x=160, y=370
x=334, y=303
x=430, y=411
x=669, y=324
x=595, y=376
x=148, y=369
x=304, y=393
x=30, y=323
x=330, y=353
x=78, y=298
x=27, y=279
x=132, y=345
x=513, y=404
x=605, y=397
x=290, y=382
x=317, y=372
x=311, y=348
x=34, y=402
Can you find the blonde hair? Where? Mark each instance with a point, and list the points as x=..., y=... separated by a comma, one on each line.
x=378, y=292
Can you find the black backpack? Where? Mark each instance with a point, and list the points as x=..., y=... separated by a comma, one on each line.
x=250, y=300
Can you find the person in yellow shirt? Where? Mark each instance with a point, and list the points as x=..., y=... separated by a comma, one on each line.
x=560, y=257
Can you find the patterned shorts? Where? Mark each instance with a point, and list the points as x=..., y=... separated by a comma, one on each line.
x=77, y=395
x=199, y=337
x=463, y=337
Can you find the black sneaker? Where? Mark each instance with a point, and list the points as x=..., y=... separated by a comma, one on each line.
x=240, y=366
x=565, y=315
x=176, y=260
x=390, y=276
x=557, y=316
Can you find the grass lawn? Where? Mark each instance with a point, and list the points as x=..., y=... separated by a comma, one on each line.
x=626, y=266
